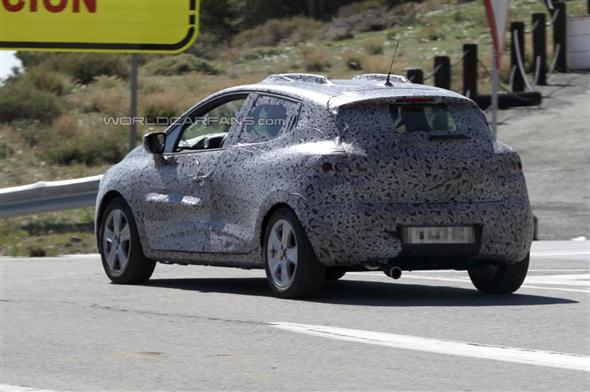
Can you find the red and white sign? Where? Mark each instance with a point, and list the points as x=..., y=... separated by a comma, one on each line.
x=497, y=14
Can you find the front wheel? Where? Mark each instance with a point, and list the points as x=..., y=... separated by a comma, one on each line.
x=120, y=249
x=292, y=269
x=501, y=278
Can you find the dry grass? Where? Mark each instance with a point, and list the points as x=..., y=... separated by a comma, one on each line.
x=374, y=45
x=353, y=59
x=315, y=60
x=276, y=31
x=429, y=33
x=107, y=95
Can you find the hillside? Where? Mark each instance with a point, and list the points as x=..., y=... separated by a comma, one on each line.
x=52, y=116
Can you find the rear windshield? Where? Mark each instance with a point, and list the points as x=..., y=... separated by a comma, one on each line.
x=422, y=118
x=398, y=119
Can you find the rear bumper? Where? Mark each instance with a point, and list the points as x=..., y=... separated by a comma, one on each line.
x=349, y=234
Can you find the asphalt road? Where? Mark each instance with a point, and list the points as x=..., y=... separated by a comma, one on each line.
x=65, y=328
x=554, y=143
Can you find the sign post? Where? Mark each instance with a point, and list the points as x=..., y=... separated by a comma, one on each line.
x=133, y=106
x=497, y=15
x=107, y=26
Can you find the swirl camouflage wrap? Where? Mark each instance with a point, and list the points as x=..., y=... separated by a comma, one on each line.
x=359, y=163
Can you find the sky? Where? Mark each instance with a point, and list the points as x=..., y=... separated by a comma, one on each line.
x=7, y=62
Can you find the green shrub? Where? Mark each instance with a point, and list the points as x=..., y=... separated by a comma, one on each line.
x=37, y=251
x=5, y=150
x=29, y=131
x=163, y=104
x=31, y=59
x=180, y=64
x=353, y=60
x=47, y=80
x=87, y=147
x=20, y=99
x=85, y=67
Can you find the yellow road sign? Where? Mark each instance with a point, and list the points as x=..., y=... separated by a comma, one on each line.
x=124, y=26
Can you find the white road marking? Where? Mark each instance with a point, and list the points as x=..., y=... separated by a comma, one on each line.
x=557, y=270
x=446, y=347
x=564, y=280
x=465, y=280
x=559, y=254
x=12, y=388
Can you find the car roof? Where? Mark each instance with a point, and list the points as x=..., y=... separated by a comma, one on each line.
x=335, y=93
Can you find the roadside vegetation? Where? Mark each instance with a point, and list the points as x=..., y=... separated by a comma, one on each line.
x=52, y=114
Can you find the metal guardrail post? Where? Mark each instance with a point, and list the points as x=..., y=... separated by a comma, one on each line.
x=442, y=76
x=516, y=49
x=559, y=14
x=470, y=70
x=540, y=48
x=415, y=75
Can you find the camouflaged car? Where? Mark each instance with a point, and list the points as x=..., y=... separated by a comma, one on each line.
x=309, y=178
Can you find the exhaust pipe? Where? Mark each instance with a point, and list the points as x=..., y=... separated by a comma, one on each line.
x=394, y=272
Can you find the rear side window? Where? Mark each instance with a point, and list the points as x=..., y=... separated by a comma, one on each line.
x=268, y=118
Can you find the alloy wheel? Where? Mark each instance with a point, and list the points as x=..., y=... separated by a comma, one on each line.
x=116, y=241
x=281, y=252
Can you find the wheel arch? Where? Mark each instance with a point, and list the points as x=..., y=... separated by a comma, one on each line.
x=269, y=213
x=108, y=197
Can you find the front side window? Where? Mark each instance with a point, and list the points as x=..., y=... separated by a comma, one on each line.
x=208, y=130
x=268, y=118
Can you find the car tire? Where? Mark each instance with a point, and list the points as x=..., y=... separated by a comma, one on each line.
x=499, y=279
x=334, y=274
x=292, y=269
x=119, y=246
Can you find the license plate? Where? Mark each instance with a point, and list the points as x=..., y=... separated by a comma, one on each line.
x=439, y=235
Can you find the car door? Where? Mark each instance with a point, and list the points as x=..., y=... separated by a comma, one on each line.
x=178, y=202
x=245, y=180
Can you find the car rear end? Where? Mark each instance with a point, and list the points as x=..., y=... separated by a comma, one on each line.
x=422, y=184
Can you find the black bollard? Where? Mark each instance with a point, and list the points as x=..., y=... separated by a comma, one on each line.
x=470, y=70
x=415, y=75
x=559, y=15
x=540, y=48
x=442, y=72
x=516, y=47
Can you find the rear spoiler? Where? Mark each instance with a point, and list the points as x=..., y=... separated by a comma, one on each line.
x=408, y=96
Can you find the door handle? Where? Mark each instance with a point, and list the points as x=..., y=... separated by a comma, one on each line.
x=201, y=177
x=170, y=159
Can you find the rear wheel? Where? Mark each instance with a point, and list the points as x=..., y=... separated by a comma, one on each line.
x=120, y=249
x=292, y=270
x=501, y=278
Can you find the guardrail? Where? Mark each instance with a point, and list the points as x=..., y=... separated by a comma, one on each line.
x=46, y=196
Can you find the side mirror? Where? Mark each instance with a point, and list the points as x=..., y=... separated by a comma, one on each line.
x=154, y=142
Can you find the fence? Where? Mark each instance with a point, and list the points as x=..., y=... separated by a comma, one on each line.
x=520, y=91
